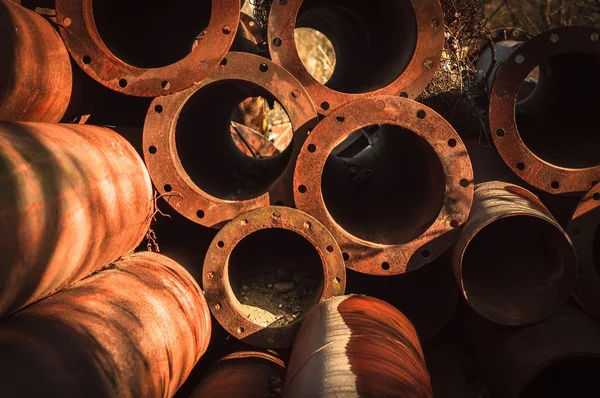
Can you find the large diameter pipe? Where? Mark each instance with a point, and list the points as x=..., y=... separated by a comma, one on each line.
x=362, y=35
x=73, y=198
x=134, y=330
x=265, y=269
x=395, y=206
x=550, y=137
x=357, y=346
x=35, y=69
x=251, y=374
x=513, y=262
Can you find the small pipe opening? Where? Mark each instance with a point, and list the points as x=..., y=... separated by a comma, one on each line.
x=389, y=193
x=276, y=275
x=373, y=41
x=208, y=152
x=575, y=377
x=151, y=34
x=518, y=268
x=558, y=121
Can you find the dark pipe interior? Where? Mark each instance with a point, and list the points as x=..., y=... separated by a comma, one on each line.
x=596, y=252
x=374, y=41
x=571, y=377
x=559, y=120
x=267, y=258
x=516, y=267
x=150, y=33
x=208, y=152
x=390, y=193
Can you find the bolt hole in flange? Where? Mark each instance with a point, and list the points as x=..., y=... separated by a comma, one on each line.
x=358, y=37
x=208, y=152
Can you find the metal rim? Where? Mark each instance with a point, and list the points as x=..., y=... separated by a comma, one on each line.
x=368, y=257
x=81, y=36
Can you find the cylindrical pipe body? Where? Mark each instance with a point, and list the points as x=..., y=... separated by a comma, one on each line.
x=243, y=374
x=357, y=346
x=35, y=69
x=134, y=330
x=73, y=198
x=512, y=260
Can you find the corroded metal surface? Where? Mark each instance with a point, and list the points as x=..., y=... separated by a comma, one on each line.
x=217, y=272
x=357, y=346
x=73, y=198
x=362, y=35
x=583, y=230
x=434, y=185
x=243, y=374
x=558, y=155
x=79, y=28
x=35, y=69
x=133, y=330
x=512, y=260
x=190, y=154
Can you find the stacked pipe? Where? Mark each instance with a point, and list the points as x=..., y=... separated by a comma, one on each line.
x=365, y=190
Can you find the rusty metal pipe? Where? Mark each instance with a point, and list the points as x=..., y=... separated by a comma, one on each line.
x=396, y=206
x=250, y=374
x=549, y=139
x=145, y=49
x=357, y=346
x=205, y=177
x=35, y=69
x=512, y=260
x=134, y=330
x=265, y=269
x=73, y=198
x=362, y=35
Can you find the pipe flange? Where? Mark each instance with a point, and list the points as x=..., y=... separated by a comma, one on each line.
x=524, y=163
x=220, y=296
x=412, y=78
x=84, y=42
x=160, y=146
x=456, y=192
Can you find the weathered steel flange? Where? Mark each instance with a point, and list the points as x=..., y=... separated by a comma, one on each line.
x=550, y=139
x=35, y=69
x=583, y=230
x=134, y=330
x=152, y=63
x=277, y=241
x=513, y=262
x=194, y=161
x=363, y=35
x=73, y=198
x=396, y=207
x=357, y=346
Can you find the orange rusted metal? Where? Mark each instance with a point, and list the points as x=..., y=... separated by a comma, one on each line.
x=357, y=346
x=251, y=374
x=35, y=69
x=270, y=246
x=73, y=198
x=133, y=330
x=513, y=261
x=550, y=139
x=193, y=159
x=145, y=49
x=362, y=35
x=395, y=207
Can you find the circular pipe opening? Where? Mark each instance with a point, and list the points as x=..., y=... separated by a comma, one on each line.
x=558, y=121
x=517, y=268
x=276, y=275
x=316, y=53
x=575, y=377
x=391, y=192
x=151, y=34
x=373, y=41
x=207, y=150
